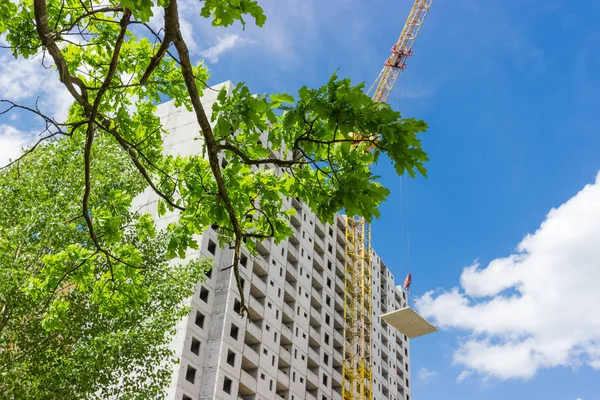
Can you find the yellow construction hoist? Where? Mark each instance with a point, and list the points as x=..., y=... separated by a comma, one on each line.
x=357, y=367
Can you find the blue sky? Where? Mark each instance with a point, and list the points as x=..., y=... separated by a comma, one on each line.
x=510, y=90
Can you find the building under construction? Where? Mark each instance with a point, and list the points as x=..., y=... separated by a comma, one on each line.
x=317, y=304
x=296, y=339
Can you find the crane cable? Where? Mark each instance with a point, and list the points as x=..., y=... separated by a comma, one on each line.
x=405, y=235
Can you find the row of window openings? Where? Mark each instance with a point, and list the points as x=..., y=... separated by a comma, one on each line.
x=199, y=320
x=204, y=293
x=327, y=317
x=234, y=332
x=379, y=384
x=405, y=353
x=329, y=248
x=325, y=379
x=303, y=357
x=190, y=374
x=311, y=222
x=231, y=356
x=244, y=259
x=227, y=383
x=379, y=367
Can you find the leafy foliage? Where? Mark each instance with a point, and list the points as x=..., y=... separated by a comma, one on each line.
x=73, y=320
x=317, y=146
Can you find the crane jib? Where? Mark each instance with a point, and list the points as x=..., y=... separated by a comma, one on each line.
x=357, y=373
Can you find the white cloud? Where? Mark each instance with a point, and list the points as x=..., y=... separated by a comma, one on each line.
x=12, y=141
x=188, y=35
x=425, y=375
x=25, y=80
x=224, y=44
x=536, y=308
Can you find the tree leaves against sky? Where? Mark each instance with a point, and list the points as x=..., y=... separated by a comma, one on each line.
x=117, y=68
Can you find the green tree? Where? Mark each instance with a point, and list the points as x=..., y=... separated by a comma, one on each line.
x=116, y=68
x=75, y=321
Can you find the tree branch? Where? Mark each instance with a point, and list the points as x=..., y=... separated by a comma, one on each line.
x=249, y=161
x=47, y=39
x=172, y=23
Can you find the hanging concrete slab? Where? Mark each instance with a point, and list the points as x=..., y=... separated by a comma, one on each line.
x=409, y=323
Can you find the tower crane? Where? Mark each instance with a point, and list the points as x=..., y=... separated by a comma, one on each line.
x=357, y=377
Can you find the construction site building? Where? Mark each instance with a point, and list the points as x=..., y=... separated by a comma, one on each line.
x=291, y=344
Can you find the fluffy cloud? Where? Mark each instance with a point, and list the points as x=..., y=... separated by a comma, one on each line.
x=27, y=81
x=425, y=375
x=11, y=142
x=535, y=308
x=224, y=44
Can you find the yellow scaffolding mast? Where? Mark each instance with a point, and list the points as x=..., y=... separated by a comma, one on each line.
x=357, y=372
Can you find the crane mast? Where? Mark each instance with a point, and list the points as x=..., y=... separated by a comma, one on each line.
x=357, y=374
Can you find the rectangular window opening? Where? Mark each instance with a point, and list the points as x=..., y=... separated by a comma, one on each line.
x=199, y=319
x=190, y=374
x=212, y=247
x=195, y=346
x=204, y=294
x=227, y=385
x=231, y=358
x=233, y=332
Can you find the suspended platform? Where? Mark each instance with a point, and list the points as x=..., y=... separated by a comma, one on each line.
x=409, y=323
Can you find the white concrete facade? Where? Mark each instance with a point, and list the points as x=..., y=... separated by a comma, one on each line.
x=291, y=344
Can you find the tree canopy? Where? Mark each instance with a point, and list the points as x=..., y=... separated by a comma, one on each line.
x=75, y=321
x=70, y=236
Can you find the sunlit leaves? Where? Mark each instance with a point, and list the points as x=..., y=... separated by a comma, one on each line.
x=321, y=130
x=226, y=12
x=56, y=289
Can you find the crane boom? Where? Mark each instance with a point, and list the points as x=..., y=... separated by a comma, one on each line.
x=401, y=51
x=357, y=374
